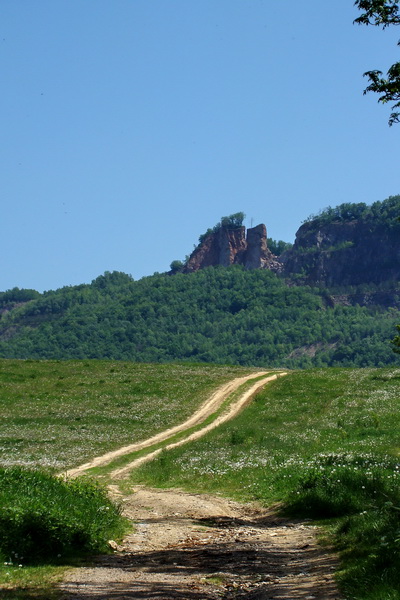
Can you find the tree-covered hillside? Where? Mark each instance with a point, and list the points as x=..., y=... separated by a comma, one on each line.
x=221, y=315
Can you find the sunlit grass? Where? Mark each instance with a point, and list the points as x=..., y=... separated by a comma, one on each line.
x=60, y=414
x=30, y=583
x=292, y=422
x=323, y=442
x=176, y=438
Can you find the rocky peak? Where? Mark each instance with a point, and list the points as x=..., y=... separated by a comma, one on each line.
x=349, y=245
x=232, y=246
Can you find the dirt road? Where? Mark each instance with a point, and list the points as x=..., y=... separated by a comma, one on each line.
x=199, y=547
x=211, y=405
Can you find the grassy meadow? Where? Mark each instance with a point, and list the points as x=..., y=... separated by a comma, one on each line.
x=298, y=422
x=59, y=414
x=323, y=443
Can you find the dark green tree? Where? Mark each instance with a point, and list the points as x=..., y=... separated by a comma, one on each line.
x=233, y=221
x=396, y=341
x=277, y=247
x=230, y=222
x=383, y=13
x=176, y=265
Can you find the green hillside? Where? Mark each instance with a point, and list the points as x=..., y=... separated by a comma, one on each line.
x=219, y=315
x=333, y=299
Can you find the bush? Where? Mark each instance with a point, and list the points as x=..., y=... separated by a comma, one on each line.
x=43, y=518
x=365, y=500
x=336, y=492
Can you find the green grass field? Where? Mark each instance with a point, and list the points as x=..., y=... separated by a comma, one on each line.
x=294, y=424
x=59, y=414
x=324, y=443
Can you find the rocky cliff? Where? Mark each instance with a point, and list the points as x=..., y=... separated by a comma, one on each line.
x=349, y=253
x=233, y=246
x=351, y=245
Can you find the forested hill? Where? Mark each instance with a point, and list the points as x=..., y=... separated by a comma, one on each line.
x=259, y=311
x=217, y=314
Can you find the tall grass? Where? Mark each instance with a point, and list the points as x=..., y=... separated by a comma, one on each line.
x=364, y=496
x=324, y=443
x=44, y=519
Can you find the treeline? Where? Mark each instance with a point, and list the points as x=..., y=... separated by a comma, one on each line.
x=381, y=212
x=219, y=315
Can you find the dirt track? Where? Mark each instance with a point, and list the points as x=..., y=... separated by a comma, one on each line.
x=208, y=408
x=199, y=547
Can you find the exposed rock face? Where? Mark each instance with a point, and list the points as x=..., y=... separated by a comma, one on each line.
x=343, y=254
x=257, y=254
x=233, y=247
x=385, y=299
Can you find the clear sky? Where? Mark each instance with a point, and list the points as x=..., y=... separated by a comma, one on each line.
x=128, y=127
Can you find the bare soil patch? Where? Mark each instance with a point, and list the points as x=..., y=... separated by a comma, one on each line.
x=192, y=546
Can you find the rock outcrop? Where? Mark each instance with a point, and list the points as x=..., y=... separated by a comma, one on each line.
x=348, y=253
x=345, y=249
x=227, y=247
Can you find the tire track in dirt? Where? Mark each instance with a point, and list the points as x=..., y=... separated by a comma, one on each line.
x=210, y=406
x=200, y=547
x=231, y=412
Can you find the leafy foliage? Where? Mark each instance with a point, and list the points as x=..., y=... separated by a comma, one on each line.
x=176, y=265
x=388, y=88
x=378, y=12
x=383, y=13
x=219, y=315
x=43, y=518
x=17, y=295
x=278, y=247
x=381, y=212
x=396, y=341
x=233, y=221
x=230, y=222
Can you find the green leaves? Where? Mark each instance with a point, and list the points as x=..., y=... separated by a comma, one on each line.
x=383, y=13
x=389, y=88
x=43, y=518
x=220, y=315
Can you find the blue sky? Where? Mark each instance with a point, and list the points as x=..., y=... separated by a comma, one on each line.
x=131, y=126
